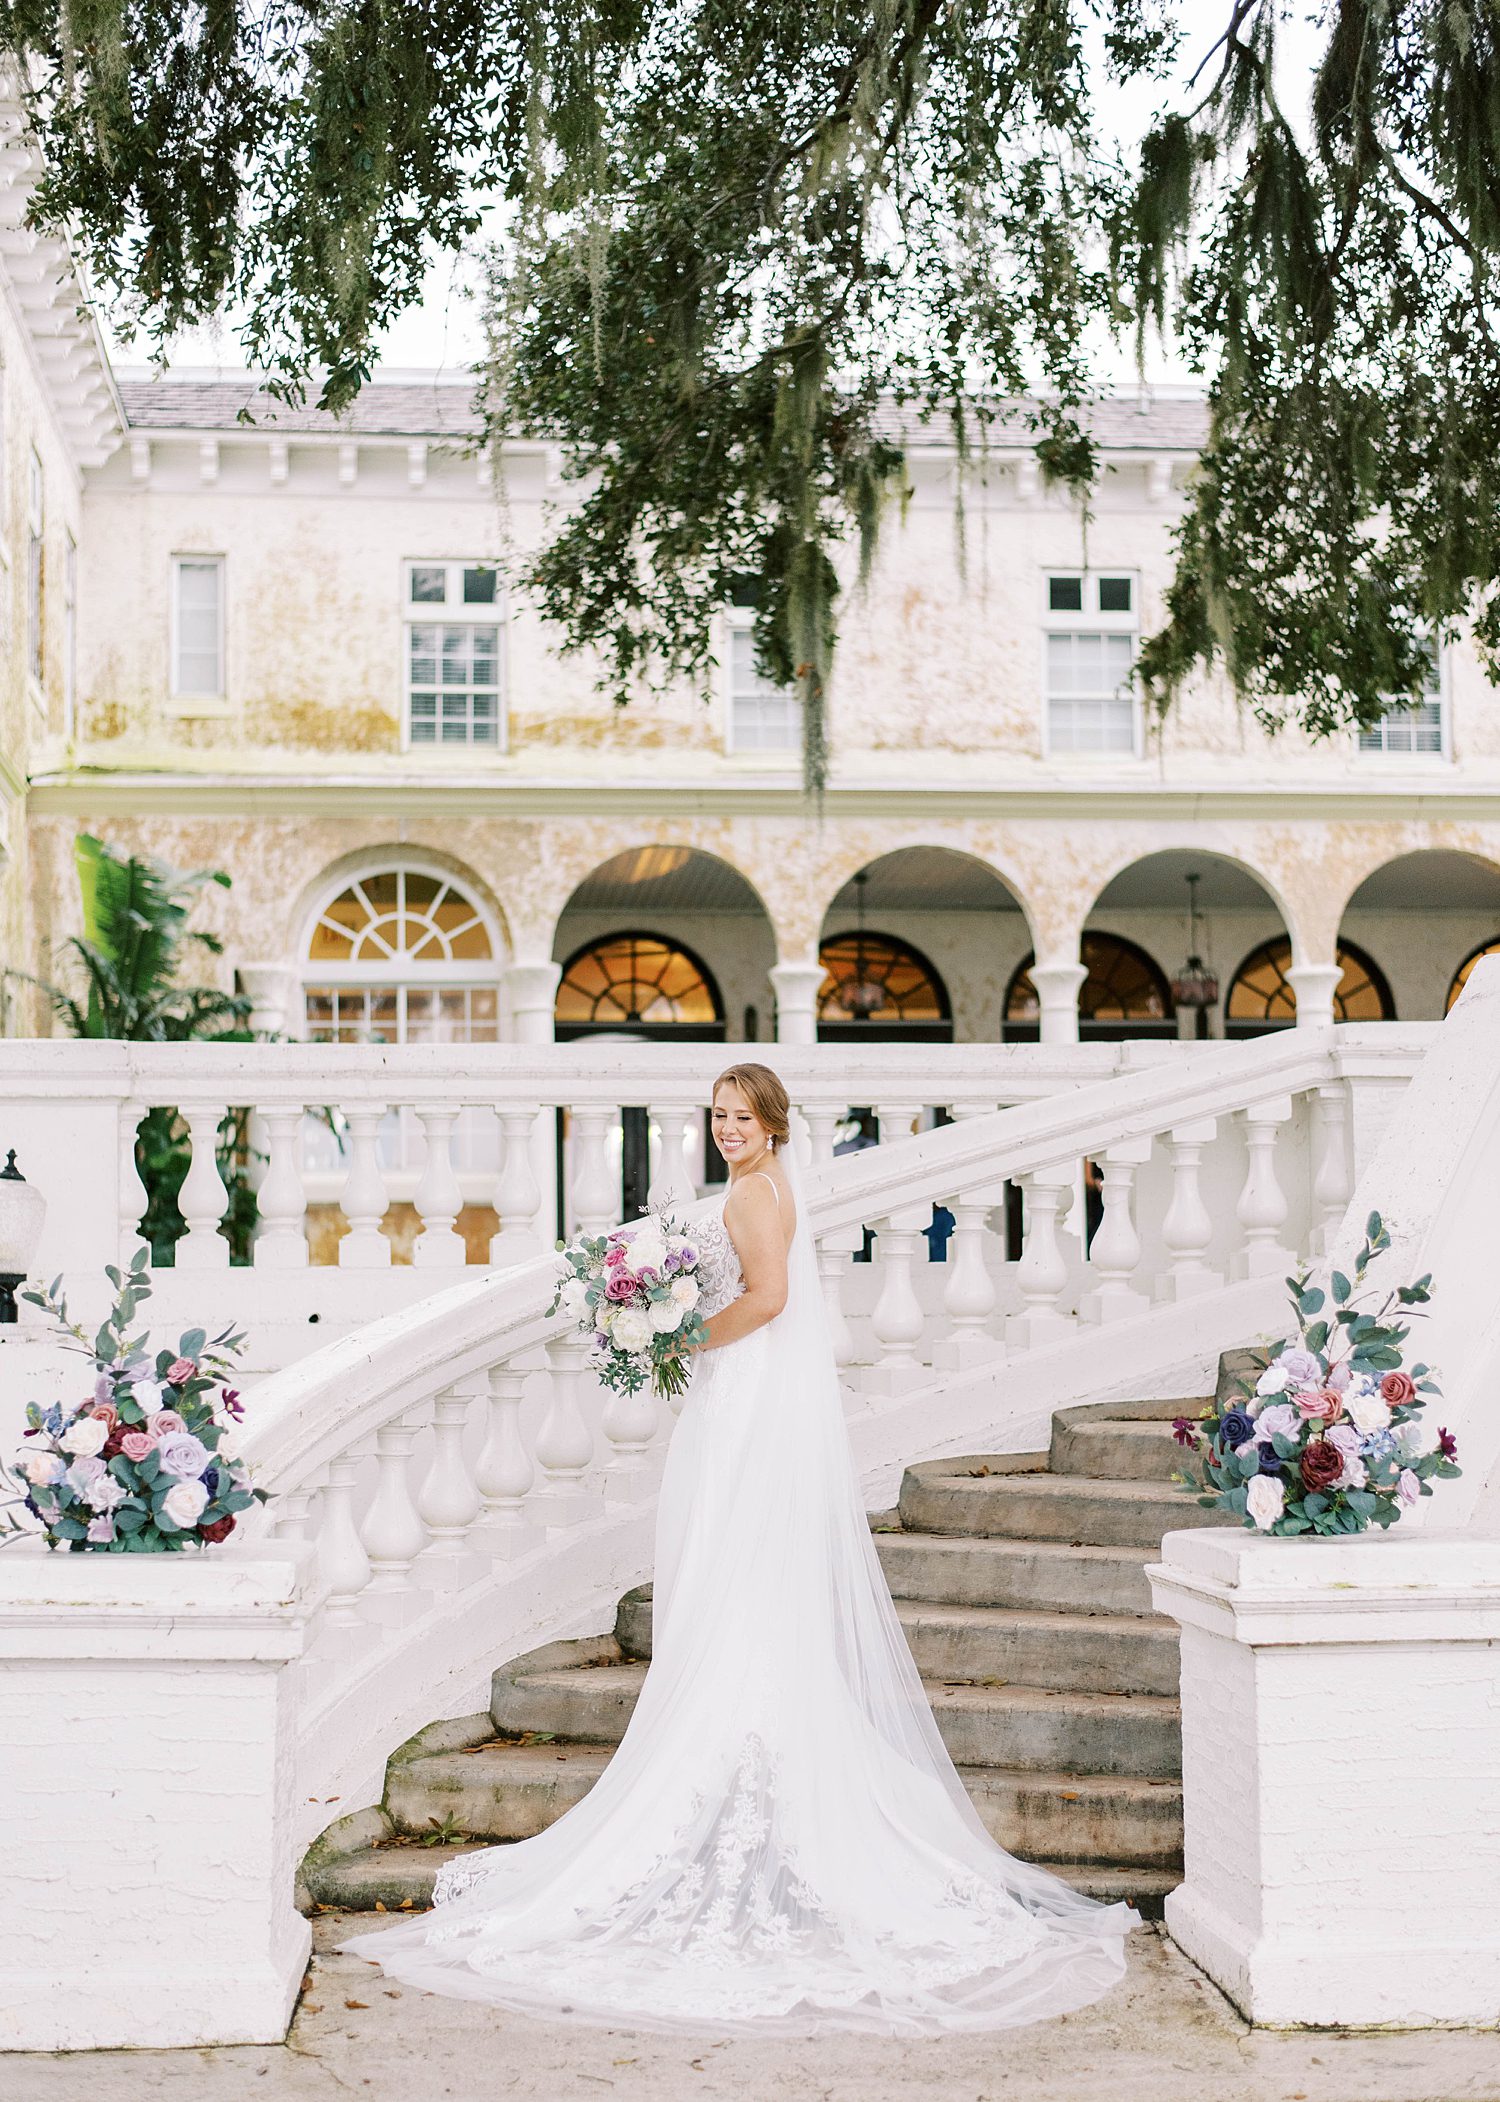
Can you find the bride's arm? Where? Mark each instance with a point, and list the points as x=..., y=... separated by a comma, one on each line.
x=752, y=1220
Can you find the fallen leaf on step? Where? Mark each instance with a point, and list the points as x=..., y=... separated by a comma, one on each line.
x=392, y=1993
x=356, y=2003
x=407, y=1904
x=309, y=2007
x=379, y=1907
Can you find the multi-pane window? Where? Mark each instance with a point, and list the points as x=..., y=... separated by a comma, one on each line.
x=198, y=627
x=35, y=524
x=1090, y=642
x=1411, y=727
x=70, y=633
x=763, y=717
x=454, y=614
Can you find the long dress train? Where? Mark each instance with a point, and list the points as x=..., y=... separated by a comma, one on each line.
x=781, y=1844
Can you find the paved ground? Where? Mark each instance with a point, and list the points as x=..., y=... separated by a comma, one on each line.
x=1165, y=2036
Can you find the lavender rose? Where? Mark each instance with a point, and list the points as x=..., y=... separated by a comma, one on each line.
x=1408, y=1489
x=183, y=1454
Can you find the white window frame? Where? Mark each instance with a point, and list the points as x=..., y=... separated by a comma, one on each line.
x=1089, y=622
x=739, y=620
x=36, y=576
x=178, y=702
x=70, y=636
x=453, y=613
x=1382, y=754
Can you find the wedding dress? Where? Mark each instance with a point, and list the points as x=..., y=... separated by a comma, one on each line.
x=781, y=1844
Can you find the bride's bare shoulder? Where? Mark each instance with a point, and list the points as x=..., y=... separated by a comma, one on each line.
x=761, y=1197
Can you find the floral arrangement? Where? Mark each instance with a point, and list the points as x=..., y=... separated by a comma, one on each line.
x=634, y=1293
x=145, y=1462
x=1332, y=1437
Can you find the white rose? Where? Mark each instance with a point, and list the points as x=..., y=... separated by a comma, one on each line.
x=649, y=1252
x=685, y=1292
x=1271, y=1381
x=105, y=1494
x=152, y=1395
x=184, y=1503
x=1265, y=1500
x=42, y=1468
x=86, y=1437
x=604, y=1317
x=1414, y=1440
x=666, y=1316
x=1366, y=1411
x=575, y=1298
x=632, y=1330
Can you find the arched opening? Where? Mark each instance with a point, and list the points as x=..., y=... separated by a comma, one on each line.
x=945, y=916
x=1461, y=975
x=1124, y=995
x=1425, y=916
x=1261, y=996
x=667, y=944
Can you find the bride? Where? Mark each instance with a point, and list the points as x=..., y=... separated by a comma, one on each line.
x=781, y=1844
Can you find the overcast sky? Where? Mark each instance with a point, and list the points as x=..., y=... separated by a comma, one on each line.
x=441, y=333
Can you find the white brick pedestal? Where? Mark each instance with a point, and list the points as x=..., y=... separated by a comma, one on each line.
x=146, y=1798
x=1341, y=1774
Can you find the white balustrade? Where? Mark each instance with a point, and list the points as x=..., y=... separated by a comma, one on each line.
x=822, y=1122
x=671, y=1185
x=343, y=1563
x=364, y=1200
x=969, y=1291
x=292, y=1515
x=203, y=1199
x=1332, y=1184
x=393, y=1532
x=834, y=1252
x=1115, y=1254
x=629, y=1423
x=518, y=1194
x=281, y=1243
x=1042, y=1273
x=1188, y=1229
x=596, y=1186
x=898, y=1321
x=503, y=1472
x=449, y=1501
x=132, y=1189
x=564, y=1442
x=1264, y=1206
x=438, y=1197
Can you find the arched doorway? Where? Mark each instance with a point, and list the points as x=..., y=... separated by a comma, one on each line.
x=1461, y=975
x=668, y=944
x=1424, y=916
x=879, y=990
x=1124, y=995
x=1261, y=996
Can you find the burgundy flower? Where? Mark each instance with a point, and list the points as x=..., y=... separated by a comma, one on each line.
x=113, y=1444
x=1322, y=1464
x=232, y=1405
x=219, y=1529
x=1447, y=1445
x=1184, y=1430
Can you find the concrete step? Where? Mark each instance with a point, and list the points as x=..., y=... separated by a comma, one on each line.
x=1001, y=1644
x=589, y=1701
x=957, y=1496
x=400, y=1879
x=506, y=1791
x=1044, y=1575
x=1113, y=1448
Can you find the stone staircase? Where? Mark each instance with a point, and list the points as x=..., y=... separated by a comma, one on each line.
x=1020, y=1583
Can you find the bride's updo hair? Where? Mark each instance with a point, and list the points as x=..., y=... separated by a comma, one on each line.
x=763, y=1090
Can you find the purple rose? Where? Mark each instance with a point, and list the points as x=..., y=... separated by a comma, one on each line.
x=183, y=1455
x=689, y=1256
x=104, y=1388
x=620, y=1288
x=102, y=1529
x=1301, y=1368
x=1408, y=1489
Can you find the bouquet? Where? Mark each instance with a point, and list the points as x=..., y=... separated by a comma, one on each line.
x=635, y=1293
x=145, y=1462
x=1333, y=1436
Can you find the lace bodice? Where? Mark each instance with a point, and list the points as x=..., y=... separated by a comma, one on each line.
x=720, y=1279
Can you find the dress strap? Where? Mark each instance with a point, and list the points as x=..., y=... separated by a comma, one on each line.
x=771, y=1179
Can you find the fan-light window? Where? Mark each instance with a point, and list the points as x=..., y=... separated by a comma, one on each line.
x=1261, y=994
x=629, y=980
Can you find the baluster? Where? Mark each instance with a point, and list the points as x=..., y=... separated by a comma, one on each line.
x=282, y=1244
x=896, y=1120
x=969, y=1293
x=518, y=1194
x=393, y=1532
x=342, y=1561
x=364, y=1246
x=503, y=1471
x=291, y=1515
x=898, y=1321
x=564, y=1442
x=448, y=1501
x=1332, y=1187
x=596, y=1188
x=132, y=1189
x=438, y=1198
x=671, y=1185
x=1115, y=1255
x=834, y=1251
x=629, y=1425
x=1042, y=1272
x=203, y=1199
x=1187, y=1229
x=1263, y=1207
x=822, y=1122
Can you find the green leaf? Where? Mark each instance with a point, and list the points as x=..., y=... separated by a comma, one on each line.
x=1341, y=1287
x=1310, y=1302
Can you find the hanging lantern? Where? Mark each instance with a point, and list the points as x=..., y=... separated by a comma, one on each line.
x=1195, y=985
x=860, y=995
